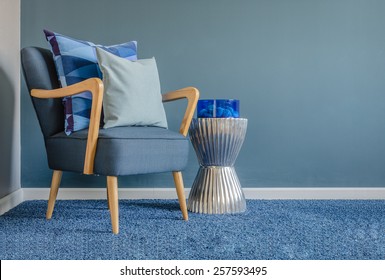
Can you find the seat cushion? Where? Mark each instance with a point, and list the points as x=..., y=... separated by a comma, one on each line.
x=121, y=151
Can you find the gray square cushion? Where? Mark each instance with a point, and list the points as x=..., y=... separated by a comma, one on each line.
x=121, y=151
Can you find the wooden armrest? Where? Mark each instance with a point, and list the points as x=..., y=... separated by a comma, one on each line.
x=192, y=95
x=95, y=86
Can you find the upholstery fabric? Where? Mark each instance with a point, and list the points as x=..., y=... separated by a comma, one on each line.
x=121, y=151
x=39, y=72
x=75, y=61
x=131, y=92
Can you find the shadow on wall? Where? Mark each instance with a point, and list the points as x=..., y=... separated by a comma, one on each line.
x=7, y=102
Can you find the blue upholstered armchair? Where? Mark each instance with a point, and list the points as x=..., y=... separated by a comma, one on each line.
x=112, y=152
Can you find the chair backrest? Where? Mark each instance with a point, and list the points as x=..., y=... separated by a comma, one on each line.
x=40, y=73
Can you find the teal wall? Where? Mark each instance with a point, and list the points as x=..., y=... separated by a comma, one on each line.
x=310, y=75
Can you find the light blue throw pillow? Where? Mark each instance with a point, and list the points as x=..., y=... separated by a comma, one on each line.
x=132, y=95
x=76, y=61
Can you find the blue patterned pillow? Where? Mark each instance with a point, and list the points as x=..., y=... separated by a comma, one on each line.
x=76, y=61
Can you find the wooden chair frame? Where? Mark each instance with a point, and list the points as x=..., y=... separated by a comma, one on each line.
x=95, y=86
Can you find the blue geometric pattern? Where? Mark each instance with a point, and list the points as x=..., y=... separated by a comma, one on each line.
x=76, y=61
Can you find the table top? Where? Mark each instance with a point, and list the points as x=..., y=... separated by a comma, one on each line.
x=240, y=119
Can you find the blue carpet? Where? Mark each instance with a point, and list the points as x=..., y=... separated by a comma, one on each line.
x=153, y=229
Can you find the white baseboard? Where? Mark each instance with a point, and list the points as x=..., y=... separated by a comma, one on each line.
x=24, y=194
x=101, y=193
x=314, y=193
x=10, y=201
x=250, y=193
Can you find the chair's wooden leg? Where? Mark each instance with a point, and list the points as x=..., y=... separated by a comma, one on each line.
x=108, y=199
x=178, y=179
x=112, y=190
x=56, y=178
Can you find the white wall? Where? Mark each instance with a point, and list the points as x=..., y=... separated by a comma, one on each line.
x=9, y=96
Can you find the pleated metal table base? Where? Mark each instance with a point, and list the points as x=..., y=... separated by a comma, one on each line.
x=216, y=189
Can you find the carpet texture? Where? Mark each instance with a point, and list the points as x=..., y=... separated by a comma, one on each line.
x=153, y=229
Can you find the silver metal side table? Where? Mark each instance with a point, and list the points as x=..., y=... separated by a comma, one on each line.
x=217, y=142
